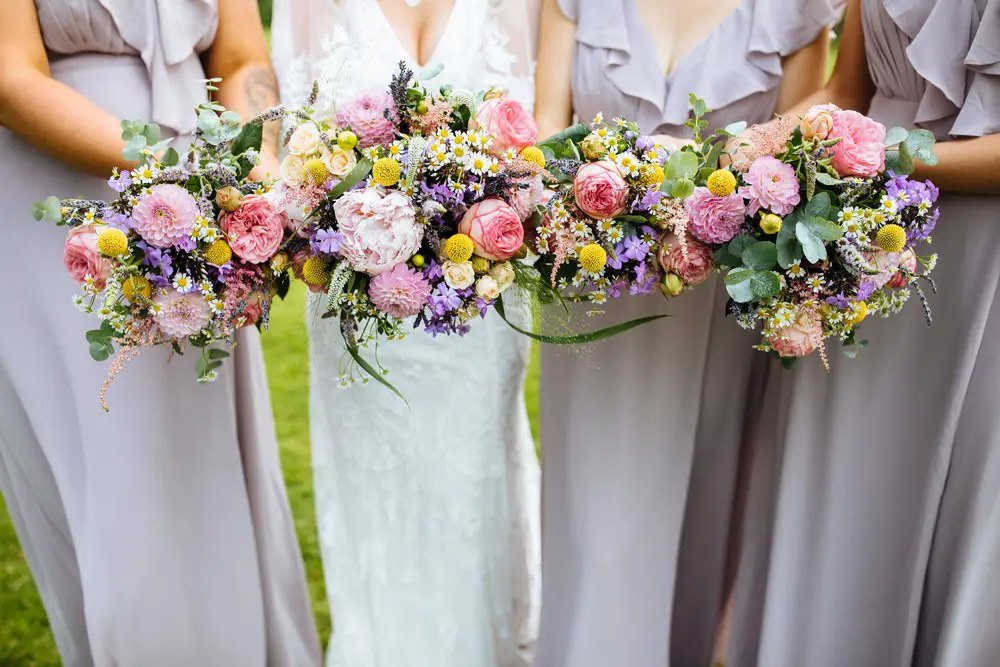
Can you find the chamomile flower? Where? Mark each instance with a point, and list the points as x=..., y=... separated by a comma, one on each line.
x=480, y=141
x=217, y=306
x=602, y=132
x=89, y=284
x=543, y=245
x=437, y=155
x=144, y=174
x=155, y=308
x=444, y=134
x=852, y=227
x=77, y=300
x=494, y=168
x=456, y=186
x=599, y=297
x=460, y=151
x=510, y=154
x=90, y=216
x=848, y=214
x=889, y=204
x=580, y=228
x=816, y=283
x=395, y=149
x=479, y=163
x=923, y=207
x=615, y=234
x=105, y=312
x=201, y=225
x=605, y=226
x=476, y=188
x=372, y=153
x=931, y=263
x=598, y=119
x=620, y=121
x=206, y=288
x=183, y=283
x=795, y=270
x=628, y=164
x=209, y=376
x=210, y=235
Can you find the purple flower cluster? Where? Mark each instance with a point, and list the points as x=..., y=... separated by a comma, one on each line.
x=910, y=195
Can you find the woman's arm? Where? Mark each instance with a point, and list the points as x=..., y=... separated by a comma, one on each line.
x=804, y=71
x=970, y=166
x=239, y=57
x=48, y=114
x=554, y=74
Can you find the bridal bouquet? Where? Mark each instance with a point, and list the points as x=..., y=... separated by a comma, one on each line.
x=816, y=224
x=180, y=255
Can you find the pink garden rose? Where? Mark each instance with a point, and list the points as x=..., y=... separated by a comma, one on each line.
x=254, y=230
x=81, y=258
x=495, y=228
x=861, y=150
x=817, y=123
x=401, y=292
x=165, y=215
x=693, y=266
x=527, y=199
x=886, y=263
x=801, y=337
x=380, y=229
x=600, y=190
x=770, y=184
x=908, y=262
x=715, y=219
x=366, y=118
x=509, y=123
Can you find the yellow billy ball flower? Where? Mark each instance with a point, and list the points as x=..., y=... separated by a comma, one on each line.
x=315, y=172
x=652, y=175
x=891, y=238
x=347, y=140
x=386, y=172
x=593, y=257
x=459, y=248
x=770, y=223
x=136, y=286
x=218, y=253
x=480, y=265
x=112, y=242
x=418, y=260
x=533, y=154
x=315, y=271
x=860, y=312
x=721, y=183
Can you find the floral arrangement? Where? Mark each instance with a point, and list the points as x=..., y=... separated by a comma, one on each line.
x=180, y=256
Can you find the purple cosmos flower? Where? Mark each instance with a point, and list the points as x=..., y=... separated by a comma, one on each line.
x=635, y=249
x=433, y=271
x=616, y=257
x=327, y=241
x=865, y=290
x=839, y=301
x=157, y=258
x=121, y=183
x=117, y=220
x=445, y=299
x=187, y=244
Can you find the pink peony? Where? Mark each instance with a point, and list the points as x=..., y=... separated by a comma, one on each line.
x=770, y=184
x=715, y=219
x=181, y=315
x=255, y=230
x=817, y=123
x=165, y=215
x=908, y=262
x=81, y=258
x=801, y=337
x=401, y=292
x=366, y=116
x=861, y=149
x=509, y=123
x=527, y=199
x=380, y=229
x=694, y=267
x=495, y=228
x=600, y=190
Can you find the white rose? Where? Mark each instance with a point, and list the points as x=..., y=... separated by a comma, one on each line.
x=487, y=288
x=305, y=140
x=292, y=170
x=339, y=162
x=503, y=274
x=458, y=275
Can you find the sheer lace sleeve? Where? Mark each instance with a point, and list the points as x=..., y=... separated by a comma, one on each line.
x=510, y=46
x=308, y=44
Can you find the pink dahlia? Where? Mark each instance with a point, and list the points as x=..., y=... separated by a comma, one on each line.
x=179, y=315
x=715, y=219
x=770, y=184
x=366, y=116
x=165, y=215
x=401, y=292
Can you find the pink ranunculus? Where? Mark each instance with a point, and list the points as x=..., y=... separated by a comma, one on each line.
x=527, y=199
x=908, y=262
x=770, y=184
x=181, y=315
x=715, y=219
x=366, y=116
x=165, y=215
x=380, y=229
x=817, y=123
x=861, y=149
x=81, y=257
x=401, y=292
x=600, y=190
x=801, y=337
x=255, y=230
x=495, y=228
x=509, y=123
x=692, y=266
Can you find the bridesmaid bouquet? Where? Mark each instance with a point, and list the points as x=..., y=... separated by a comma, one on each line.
x=816, y=224
x=180, y=255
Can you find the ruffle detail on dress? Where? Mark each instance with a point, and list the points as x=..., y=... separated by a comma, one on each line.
x=955, y=48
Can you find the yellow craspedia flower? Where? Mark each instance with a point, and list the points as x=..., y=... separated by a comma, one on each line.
x=315, y=171
x=891, y=238
x=860, y=309
x=218, y=253
x=480, y=265
x=533, y=154
x=315, y=271
x=112, y=242
x=347, y=140
x=136, y=286
x=721, y=183
x=459, y=248
x=593, y=257
x=652, y=175
x=386, y=172
x=770, y=223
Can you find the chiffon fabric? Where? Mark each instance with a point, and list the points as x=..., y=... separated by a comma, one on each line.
x=159, y=534
x=875, y=498
x=642, y=433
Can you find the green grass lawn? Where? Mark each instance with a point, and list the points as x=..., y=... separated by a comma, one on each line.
x=24, y=635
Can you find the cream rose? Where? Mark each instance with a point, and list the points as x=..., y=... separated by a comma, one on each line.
x=292, y=170
x=458, y=275
x=487, y=288
x=339, y=162
x=503, y=274
x=305, y=140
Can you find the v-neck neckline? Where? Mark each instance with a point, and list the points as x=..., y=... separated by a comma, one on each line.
x=435, y=52
x=682, y=61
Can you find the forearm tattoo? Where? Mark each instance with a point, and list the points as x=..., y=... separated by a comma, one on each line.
x=261, y=90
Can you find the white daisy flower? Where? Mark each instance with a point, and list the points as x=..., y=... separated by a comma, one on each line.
x=816, y=283
x=795, y=270
x=205, y=287
x=183, y=283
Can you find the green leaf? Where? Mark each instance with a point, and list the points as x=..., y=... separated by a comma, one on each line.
x=282, y=283
x=788, y=363
x=821, y=206
x=637, y=219
x=230, y=118
x=360, y=171
x=812, y=245
x=761, y=256
x=378, y=377
x=738, y=275
x=895, y=136
x=98, y=336
x=131, y=128
x=698, y=106
x=920, y=144
x=249, y=138
x=899, y=161
x=100, y=351
x=682, y=188
x=824, y=229
x=133, y=149
x=828, y=180
x=575, y=133
x=152, y=133
x=216, y=353
x=175, y=346
x=738, y=285
x=49, y=210
x=789, y=248
x=681, y=164
x=765, y=284
x=593, y=336
x=738, y=245
x=170, y=158
x=723, y=257
x=713, y=156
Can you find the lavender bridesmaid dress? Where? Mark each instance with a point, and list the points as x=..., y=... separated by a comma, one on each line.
x=158, y=534
x=876, y=540
x=642, y=433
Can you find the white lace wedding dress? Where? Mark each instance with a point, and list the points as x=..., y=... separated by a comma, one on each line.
x=428, y=519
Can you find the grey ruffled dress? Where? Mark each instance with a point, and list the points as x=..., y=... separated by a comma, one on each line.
x=159, y=534
x=642, y=433
x=875, y=501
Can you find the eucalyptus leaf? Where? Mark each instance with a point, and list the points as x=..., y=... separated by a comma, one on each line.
x=765, y=284
x=821, y=206
x=682, y=188
x=895, y=136
x=216, y=353
x=133, y=149
x=152, y=133
x=131, y=128
x=160, y=146
x=575, y=133
x=681, y=164
x=789, y=248
x=899, y=161
x=824, y=229
x=250, y=138
x=739, y=275
x=761, y=256
x=740, y=244
x=100, y=351
x=723, y=257
x=812, y=245
x=170, y=158
x=828, y=180
x=698, y=106
x=920, y=144
x=736, y=129
x=738, y=285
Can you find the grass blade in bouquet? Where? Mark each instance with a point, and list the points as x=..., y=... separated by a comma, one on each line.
x=180, y=255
